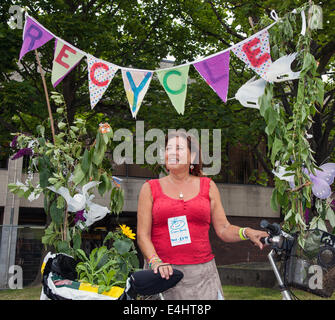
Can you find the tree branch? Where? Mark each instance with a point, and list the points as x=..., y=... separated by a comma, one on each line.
x=229, y=30
x=324, y=55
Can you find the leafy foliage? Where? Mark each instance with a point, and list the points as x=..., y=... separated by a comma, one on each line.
x=287, y=133
x=108, y=267
x=69, y=163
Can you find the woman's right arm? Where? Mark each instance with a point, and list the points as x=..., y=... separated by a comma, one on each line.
x=144, y=224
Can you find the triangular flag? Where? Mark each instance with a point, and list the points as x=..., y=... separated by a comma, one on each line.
x=65, y=59
x=100, y=74
x=215, y=71
x=34, y=36
x=136, y=84
x=255, y=53
x=174, y=81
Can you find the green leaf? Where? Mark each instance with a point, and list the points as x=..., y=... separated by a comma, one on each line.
x=274, y=200
x=104, y=185
x=76, y=241
x=82, y=255
x=78, y=175
x=41, y=130
x=330, y=215
x=64, y=247
x=61, y=125
x=56, y=214
x=276, y=147
x=60, y=202
x=322, y=225
x=86, y=162
x=122, y=246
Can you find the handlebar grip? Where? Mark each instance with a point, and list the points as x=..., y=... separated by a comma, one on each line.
x=273, y=228
x=266, y=240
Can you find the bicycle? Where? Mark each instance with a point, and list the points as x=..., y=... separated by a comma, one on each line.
x=59, y=282
x=311, y=268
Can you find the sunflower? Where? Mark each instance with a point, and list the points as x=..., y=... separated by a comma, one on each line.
x=127, y=232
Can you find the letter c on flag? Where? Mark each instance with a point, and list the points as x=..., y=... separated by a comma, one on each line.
x=96, y=66
x=176, y=72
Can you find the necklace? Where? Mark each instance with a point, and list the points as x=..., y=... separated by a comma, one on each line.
x=181, y=195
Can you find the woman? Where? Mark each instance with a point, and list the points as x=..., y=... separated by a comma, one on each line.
x=174, y=216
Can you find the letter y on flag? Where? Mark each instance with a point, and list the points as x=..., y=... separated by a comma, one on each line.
x=136, y=84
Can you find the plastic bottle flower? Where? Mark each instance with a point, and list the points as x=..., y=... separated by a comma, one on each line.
x=321, y=180
x=82, y=202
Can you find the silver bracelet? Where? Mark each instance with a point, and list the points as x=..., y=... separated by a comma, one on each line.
x=243, y=233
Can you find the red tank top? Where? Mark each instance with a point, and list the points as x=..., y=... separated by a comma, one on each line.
x=198, y=214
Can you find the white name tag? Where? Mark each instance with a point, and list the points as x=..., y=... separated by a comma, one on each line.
x=179, y=232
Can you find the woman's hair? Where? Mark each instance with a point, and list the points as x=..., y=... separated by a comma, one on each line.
x=193, y=146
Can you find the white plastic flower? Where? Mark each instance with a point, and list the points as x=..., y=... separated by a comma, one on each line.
x=83, y=201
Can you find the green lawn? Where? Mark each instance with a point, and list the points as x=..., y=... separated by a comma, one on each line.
x=230, y=293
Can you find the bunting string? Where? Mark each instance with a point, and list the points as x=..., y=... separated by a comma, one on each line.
x=214, y=69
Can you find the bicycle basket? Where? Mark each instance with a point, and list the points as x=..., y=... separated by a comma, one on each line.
x=312, y=268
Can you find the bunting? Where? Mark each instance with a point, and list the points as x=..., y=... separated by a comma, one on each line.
x=34, y=36
x=65, y=59
x=254, y=52
x=215, y=71
x=100, y=74
x=136, y=84
x=174, y=82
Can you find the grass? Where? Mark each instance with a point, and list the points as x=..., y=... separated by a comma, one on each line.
x=28, y=293
x=253, y=293
x=230, y=293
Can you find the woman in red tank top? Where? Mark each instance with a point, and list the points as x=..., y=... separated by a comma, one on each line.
x=174, y=216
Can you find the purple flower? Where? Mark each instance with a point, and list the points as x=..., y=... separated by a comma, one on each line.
x=79, y=216
x=14, y=142
x=23, y=152
x=322, y=180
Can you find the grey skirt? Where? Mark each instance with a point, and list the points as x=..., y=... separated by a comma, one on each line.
x=200, y=282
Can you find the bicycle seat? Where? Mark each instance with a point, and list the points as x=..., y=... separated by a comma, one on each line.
x=147, y=282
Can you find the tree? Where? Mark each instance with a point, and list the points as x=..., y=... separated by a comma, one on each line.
x=141, y=34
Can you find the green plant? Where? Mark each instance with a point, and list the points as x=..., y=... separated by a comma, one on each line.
x=65, y=166
x=287, y=132
x=109, y=267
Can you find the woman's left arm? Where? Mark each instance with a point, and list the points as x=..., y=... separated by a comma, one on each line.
x=224, y=230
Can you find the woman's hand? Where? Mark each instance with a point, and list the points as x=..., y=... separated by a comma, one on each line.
x=164, y=269
x=255, y=236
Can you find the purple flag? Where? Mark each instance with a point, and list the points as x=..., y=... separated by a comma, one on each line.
x=215, y=71
x=34, y=36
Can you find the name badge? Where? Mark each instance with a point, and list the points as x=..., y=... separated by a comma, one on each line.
x=179, y=232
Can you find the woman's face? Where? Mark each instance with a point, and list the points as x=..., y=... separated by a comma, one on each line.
x=177, y=154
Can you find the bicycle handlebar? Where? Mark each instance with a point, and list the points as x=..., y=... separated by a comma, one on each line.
x=273, y=229
x=277, y=238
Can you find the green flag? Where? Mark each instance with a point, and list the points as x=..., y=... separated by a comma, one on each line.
x=174, y=81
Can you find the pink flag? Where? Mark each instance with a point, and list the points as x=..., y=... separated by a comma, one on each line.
x=34, y=36
x=215, y=71
x=255, y=53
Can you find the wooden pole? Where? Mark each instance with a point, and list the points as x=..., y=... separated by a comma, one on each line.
x=46, y=96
